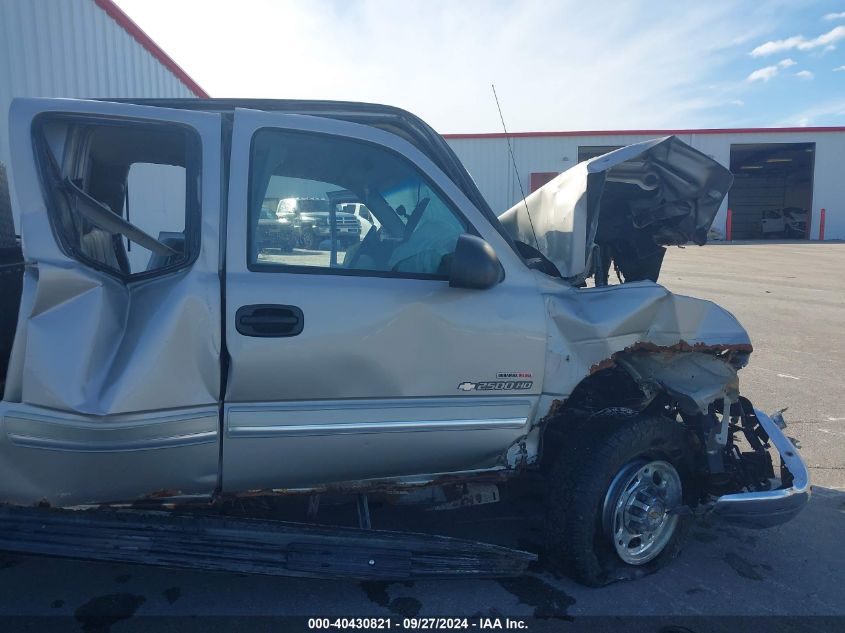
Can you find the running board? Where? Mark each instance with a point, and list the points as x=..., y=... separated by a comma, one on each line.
x=250, y=546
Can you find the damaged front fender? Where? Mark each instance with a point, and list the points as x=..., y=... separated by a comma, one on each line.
x=693, y=379
x=591, y=329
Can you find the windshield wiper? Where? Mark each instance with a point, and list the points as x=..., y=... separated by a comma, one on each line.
x=536, y=260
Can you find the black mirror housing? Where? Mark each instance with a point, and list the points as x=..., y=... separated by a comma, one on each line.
x=475, y=264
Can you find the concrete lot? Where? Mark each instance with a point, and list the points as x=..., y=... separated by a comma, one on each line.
x=791, y=297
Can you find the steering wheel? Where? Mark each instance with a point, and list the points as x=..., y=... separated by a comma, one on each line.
x=415, y=217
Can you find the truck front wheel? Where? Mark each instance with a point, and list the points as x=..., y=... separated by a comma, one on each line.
x=616, y=498
x=309, y=239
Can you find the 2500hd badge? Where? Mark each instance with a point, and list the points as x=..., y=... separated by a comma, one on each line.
x=496, y=385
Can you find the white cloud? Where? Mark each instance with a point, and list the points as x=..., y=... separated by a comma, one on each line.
x=799, y=42
x=829, y=110
x=839, y=69
x=737, y=102
x=804, y=74
x=556, y=65
x=763, y=74
x=835, y=16
x=786, y=63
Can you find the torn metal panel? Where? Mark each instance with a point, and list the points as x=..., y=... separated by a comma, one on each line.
x=694, y=379
x=630, y=202
x=591, y=326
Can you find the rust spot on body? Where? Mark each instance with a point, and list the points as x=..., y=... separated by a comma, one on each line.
x=162, y=494
x=729, y=350
x=557, y=405
x=376, y=486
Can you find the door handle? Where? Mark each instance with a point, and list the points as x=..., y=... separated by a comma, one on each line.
x=268, y=320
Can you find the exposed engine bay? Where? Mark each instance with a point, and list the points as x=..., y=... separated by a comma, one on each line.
x=621, y=209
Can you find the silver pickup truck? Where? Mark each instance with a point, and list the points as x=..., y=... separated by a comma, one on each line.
x=169, y=356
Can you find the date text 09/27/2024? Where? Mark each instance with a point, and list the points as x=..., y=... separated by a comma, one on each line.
x=417, y=624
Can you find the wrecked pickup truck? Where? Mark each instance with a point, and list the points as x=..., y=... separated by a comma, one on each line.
x=172, y=357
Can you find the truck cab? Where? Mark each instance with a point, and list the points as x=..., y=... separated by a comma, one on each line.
x=160, y=351
x=315, y=220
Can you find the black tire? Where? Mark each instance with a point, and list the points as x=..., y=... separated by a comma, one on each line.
x=575, y=538
x=287, y=245
x=309, y=239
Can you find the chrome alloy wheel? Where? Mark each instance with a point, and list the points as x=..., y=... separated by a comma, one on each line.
x=637, y=511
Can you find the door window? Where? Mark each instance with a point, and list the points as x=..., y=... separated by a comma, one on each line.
x=318, y=181
x=124, y=196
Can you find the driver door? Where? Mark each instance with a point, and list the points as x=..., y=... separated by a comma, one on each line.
x=358, y=361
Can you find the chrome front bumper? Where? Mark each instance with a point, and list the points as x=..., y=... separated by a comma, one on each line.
x=772, y=507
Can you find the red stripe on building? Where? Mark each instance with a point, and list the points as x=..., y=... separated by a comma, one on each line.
x=747, y=130
x=125, y=22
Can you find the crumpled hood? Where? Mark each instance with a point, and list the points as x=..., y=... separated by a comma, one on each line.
x=590, y=327
x=624, y=206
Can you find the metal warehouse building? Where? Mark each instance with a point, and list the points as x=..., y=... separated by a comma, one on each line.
x=788, y=182
x=78, y=48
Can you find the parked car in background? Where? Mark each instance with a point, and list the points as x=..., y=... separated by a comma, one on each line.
x=274, y=232
x=795, y=220
x=365, y=217
x=789, y=222
x=310, y=219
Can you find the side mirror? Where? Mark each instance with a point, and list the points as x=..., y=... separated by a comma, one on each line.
x=474, y=264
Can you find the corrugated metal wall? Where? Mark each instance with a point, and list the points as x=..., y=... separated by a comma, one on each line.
x=72, y=48
x=488, y=162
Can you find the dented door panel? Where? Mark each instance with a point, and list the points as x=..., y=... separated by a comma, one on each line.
x=92, y=345
x=372, y=385
x=103, y=368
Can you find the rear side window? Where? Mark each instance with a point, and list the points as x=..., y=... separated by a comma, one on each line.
x=123, y=196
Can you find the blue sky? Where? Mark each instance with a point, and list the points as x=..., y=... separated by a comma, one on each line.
x=565, y=65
